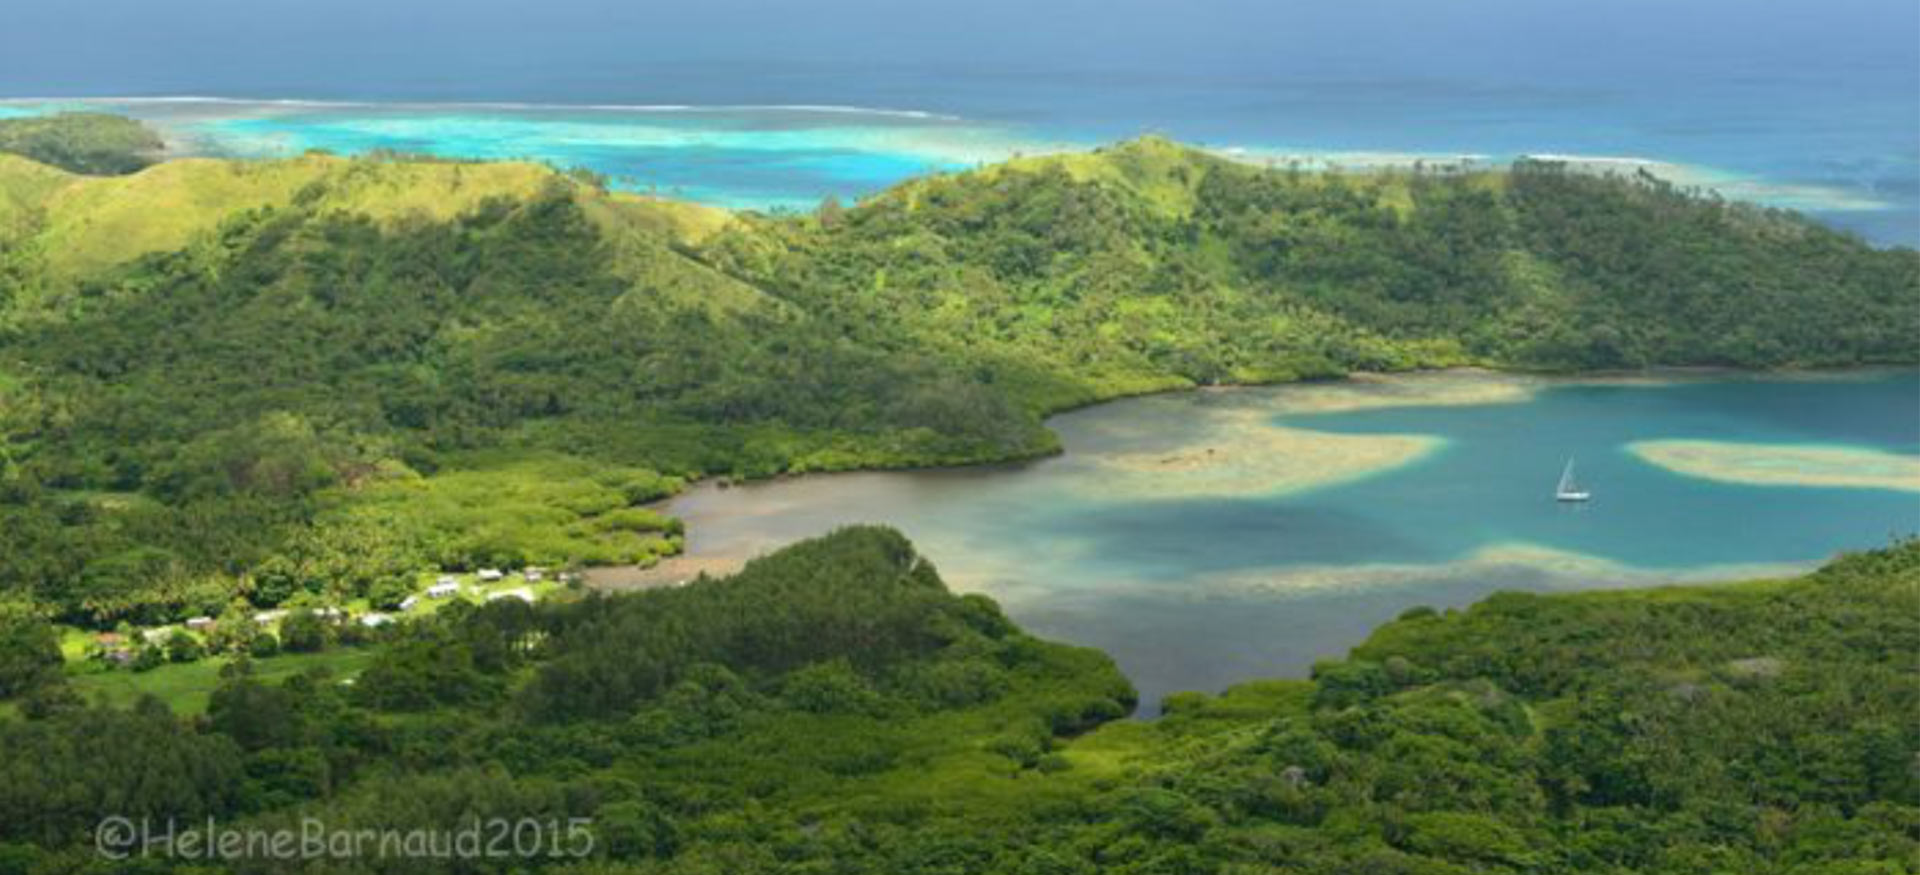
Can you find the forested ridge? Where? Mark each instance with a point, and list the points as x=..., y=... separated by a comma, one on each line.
x=306, y=379
x=833, y=708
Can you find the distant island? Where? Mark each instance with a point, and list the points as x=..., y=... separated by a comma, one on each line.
x=83, y=142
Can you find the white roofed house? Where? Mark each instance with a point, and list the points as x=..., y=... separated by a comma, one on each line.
x=445, y=588
x=490, y=575
x=522, y=593
x=200, y=623
x=375, y=620
x=406, y=604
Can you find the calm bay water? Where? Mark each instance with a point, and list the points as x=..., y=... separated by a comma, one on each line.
x=1198, y=574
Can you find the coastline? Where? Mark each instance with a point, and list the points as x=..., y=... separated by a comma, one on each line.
x=680, y=567
x=1666, y=374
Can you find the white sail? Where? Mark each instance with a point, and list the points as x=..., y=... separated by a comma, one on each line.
x=1569, y=488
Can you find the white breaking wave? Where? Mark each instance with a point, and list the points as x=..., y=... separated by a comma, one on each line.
x=1623, y=160
x=1799, y=196
x=518, y=106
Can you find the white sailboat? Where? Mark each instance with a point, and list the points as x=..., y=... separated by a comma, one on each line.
x=1570, y=489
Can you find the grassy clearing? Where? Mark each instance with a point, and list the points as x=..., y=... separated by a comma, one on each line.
x=185, y=687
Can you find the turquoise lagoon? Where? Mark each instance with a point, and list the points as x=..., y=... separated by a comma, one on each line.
x=749, y=158
x=791, y=157
x=742, y=157
x=1205, y=538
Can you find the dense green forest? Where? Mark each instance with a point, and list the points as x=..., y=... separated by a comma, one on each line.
x=82, y=142
x=833, y=708
x=1151, y=263
x=310, y=378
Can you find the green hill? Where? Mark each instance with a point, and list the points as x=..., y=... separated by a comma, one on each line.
x=1149, y=263
x=82, y=142
x=208, y=364
x=84, y=227
x=832, y=708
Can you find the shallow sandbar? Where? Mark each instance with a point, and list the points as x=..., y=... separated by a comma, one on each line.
x=1783, y=464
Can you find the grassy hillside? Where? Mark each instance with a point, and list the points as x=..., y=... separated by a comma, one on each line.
x=208, y=365
x=86, y=227
x=833, y=708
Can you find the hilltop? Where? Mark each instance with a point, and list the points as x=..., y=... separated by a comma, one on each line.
x=70, y=227
x=208, y=364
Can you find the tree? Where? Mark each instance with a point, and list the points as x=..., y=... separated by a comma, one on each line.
x=278, y=579
x=184, y=646
x=149, y=657
x=303, y=631
x=28, y=652
x=52, y=696
x=254, y=714
x=235, y=630
x=387, y=592
x=829, y=212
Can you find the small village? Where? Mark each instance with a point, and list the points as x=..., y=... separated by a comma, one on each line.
x=268, y=632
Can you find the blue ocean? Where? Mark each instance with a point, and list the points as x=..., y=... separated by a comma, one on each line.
x=1808, y=104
